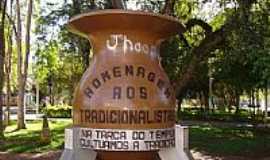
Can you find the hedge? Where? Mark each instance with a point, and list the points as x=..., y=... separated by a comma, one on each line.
x=59, y=111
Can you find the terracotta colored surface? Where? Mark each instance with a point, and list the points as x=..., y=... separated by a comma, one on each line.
x=125, y=86
x=127, y=155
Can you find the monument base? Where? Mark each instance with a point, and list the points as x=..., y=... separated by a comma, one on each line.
x=181, y=149
x=179, y=152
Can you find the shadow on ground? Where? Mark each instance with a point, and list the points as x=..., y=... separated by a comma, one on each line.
x=229, y=143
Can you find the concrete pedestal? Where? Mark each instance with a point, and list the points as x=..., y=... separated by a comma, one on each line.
x=181, y=150
x=74, y=152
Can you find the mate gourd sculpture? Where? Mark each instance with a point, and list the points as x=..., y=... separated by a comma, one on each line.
x=124, y=102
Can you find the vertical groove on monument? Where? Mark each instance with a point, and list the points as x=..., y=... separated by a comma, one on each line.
x=124, y=103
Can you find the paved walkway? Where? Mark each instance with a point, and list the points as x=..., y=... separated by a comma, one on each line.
x=38, y=117
x=202, y=156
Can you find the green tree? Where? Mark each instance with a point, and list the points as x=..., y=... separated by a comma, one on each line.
x=63, y=69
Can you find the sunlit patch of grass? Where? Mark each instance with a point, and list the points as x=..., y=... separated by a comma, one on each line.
x=28, y=140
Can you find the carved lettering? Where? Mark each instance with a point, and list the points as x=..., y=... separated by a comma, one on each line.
x=116, y=71
x=128, y=46
x=130, y=92
x=129, y=70
x=127, y=116
x=117, y=92
x=105, y=76
x=96, y=83
x=88, y=92
x=143, y=93
x=140, y=72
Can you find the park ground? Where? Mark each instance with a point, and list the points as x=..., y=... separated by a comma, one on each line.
x=208, y=141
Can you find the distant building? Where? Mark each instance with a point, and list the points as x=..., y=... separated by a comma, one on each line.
x=30, y=106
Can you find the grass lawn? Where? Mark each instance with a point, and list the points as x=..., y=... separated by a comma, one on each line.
x=207, y=139
x=232, y=141
x=28, y=140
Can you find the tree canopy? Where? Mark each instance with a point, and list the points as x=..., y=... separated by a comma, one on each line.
x=225, y=41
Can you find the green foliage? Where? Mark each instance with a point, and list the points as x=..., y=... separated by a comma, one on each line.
x=186, y=9
x=63, y=69
x=239, y=65
x=219, y=20
x=243, y=63
x=175, y=57
x=59, y=111
x=47, y=61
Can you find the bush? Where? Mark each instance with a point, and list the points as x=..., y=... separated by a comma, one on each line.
x=59, y=111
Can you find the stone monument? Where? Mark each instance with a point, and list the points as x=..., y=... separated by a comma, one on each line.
x=124, y=106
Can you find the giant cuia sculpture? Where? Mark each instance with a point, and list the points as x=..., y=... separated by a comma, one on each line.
x=124, y=103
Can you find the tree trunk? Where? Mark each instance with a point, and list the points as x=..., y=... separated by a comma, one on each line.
x=201, y=101
x=21, y=118
x=8, y=75
x=223, y=105
x=76, y=6
x=231, y=99
x=266, y=102
x=117, y=4
x=23, y=75
x=2, y=61
x=9, y=66
x=206, y=100
x=168, y=7
x=8, y=101
x=85, y=49
x=20, y=96
x=179, y=107
x=37, y=98
x=249, y=99
x=253, y=103
x=27, y=38
x=257, y=99
x=237, y=103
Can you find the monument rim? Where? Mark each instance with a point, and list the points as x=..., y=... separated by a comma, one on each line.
x=100, y=19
